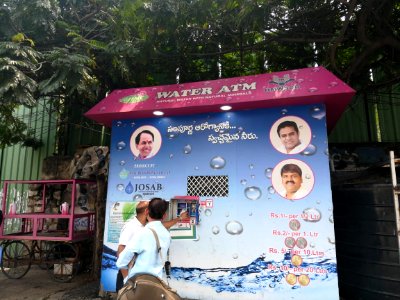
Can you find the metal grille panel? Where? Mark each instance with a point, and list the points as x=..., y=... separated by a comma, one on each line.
x=210, y=186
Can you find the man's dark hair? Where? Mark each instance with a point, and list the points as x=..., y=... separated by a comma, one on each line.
x=137, y=138
x=157, y=208
x=291, y=168
x=287, y=124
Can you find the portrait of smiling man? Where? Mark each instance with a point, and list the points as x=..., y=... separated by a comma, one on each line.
x=144, y=144
x=292, y=180
x=289, y=136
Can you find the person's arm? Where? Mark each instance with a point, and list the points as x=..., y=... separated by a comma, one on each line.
x=121, y=248
x=168, y=224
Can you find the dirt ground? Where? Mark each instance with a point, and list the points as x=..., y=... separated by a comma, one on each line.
x=37, y=284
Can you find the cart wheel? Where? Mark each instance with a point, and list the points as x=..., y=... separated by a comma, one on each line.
x=43, y=247
x=16, y=260
x=62, y=262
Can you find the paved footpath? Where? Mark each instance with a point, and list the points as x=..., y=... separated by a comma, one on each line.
x=37, y=284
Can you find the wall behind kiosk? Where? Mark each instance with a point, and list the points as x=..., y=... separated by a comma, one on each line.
x=243, y=247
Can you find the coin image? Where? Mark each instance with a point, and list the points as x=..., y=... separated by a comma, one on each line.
x=304, y=280
x=296, y=260
x=294, y=224
x=290, y=242
x=291, y=278
x=301, y=242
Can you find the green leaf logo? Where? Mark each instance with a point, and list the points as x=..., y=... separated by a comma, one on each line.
x=135, y=98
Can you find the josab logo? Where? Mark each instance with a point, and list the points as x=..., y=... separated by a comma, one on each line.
x=148, y=188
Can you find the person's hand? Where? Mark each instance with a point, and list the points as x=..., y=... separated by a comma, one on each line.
x=184, y=215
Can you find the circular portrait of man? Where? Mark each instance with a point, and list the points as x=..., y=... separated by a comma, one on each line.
x=290, y=135
x=145, y=142
x=293, y=179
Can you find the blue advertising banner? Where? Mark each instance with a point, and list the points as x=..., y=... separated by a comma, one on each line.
x=265, y=227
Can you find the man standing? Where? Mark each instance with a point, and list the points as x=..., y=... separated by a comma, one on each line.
x=292, y=180
x=288, y=133
x=132, y=229
x=144, y=243
x=144, y=144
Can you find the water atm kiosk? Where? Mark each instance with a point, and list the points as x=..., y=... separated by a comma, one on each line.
x=255, y=180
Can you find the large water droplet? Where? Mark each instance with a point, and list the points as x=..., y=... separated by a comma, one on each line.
x=208, y=212
x=129, y=188
x=252, y=193
x=268, y=172
x=137, y=197
x=271, y=190
x=234, y=227
x=187, y=149
x=311, y=214
x=317, y=112
x=215, y=229
x=217, y=162
x=121, y=146
x=123, y=174
x=309, y=150
x=120, y=187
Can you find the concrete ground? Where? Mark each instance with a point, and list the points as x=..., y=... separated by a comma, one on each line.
x=37, y=284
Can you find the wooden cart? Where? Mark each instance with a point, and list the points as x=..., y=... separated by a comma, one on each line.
x=34, y=230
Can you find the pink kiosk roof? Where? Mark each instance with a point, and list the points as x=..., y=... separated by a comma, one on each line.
x=287, y=88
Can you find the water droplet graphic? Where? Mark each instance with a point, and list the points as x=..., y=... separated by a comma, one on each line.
x=316, y=69
x=208, y=212
x=311, y=214
x=313, y=89
x=234, y=227
x=252, y=193
x=268, y=172
x=129, y=188
x=196, y=167
x=103, y=108
x=251, y=166
x=187, y=149
x=227, y=215
x=284, y=111
x=318, y=201
x=122, y=163
x=250, y=214
x=172, y=135
x=197, y=238
x=300, y=80
x=215, y=229
x=253, y=176
x=310, y=150
x=171, y=156
x=271, y=190
x=120, y=187
x=124, y=174
x=137, y=197
x=331, y=218
x=312, y=245
x=218, y=162
x=318, y=112
x=331, y=240
x=326, y=152
x=308, y=176
x=333, y=84
x=235, y=256
x=243, y=181
x=118, y=124
x=240, y=129
x=121, y=146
